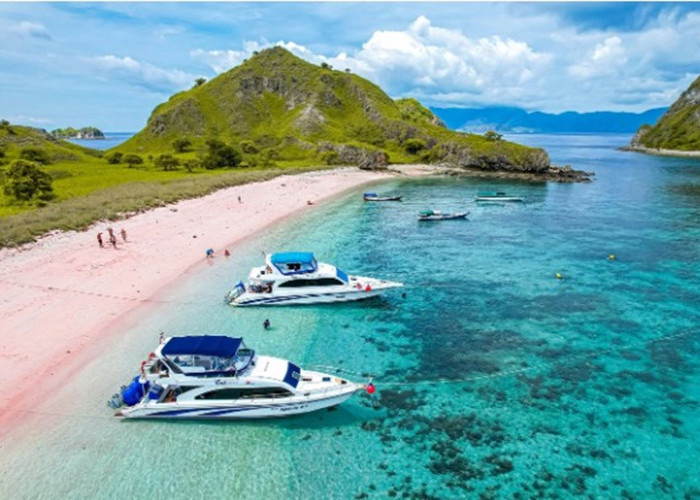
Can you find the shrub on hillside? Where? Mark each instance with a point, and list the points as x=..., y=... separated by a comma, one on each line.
x=25, y=180
x=114, y=158
x=413, y=146
x=221, y=155
x=182, y=145
x=330, y=157
x=492, y=135
x=132, y=159
x=248, y=147
x=166, y=162
x=191, y=163
x=36, y=155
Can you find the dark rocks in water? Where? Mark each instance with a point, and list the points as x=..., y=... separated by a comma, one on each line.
x=500, y=465
x=369, y=425
x=306, y=437
x=408, y=400
x=663, y=484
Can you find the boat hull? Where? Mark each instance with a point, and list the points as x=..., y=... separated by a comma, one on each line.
x=237, y=409
x=248, y=299
x=498, y=199
x=442, y=217
x=382, y=198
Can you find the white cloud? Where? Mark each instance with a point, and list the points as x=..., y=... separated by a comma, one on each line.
x=30, y=29
x=605, y=59
x=223, y=60
x=143, y=74
x=30, y=120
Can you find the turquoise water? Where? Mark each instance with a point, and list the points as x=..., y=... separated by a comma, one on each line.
x=494, y=379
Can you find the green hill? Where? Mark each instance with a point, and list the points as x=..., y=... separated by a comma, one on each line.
x=276, y=105
x=678, y=128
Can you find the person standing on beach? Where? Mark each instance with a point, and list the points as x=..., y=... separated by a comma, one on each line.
x=239, y=200
x=99, y=240
x=123, y=235
x=113, y=239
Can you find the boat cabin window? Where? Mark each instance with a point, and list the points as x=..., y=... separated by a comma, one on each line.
x=246, y=393
x=189, y=363
x=298, y=283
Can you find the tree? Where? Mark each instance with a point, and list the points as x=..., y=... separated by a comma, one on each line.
x=37, y=155
x=325, y=65
x=25, y=180
x=221, y=155
x=191, y=163
x=132, y=159
x=493, y=136
x=166, y=162
x=181, y=145
x=199, y=82
x=114, y=158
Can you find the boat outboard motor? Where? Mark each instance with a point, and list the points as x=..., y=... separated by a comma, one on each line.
x=133, y=393
x=238, y=290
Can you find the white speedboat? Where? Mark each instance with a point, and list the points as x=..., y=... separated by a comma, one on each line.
x=297, y=278
x=427, y=215
x=376, y=197
x=498, y=196
x=218, y=377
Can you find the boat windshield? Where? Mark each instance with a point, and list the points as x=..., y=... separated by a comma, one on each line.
x=198, y=364
x=342, y=276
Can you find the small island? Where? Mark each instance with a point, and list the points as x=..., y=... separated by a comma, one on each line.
x=82, y=133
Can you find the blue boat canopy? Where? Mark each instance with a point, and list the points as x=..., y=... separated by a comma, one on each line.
x=294, y=262
x=370, y=194
x=206, y=345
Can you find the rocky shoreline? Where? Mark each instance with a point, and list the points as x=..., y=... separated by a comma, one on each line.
x=552, y=173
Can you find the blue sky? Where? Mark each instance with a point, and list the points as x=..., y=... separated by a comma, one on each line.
x=110, y=64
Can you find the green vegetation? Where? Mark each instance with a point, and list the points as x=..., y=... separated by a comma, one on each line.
x=220, y=155
x=166, y=162
x=182, y=145
x=37, y=155
x=25, y=180
x=132, y=160
x=678, y=128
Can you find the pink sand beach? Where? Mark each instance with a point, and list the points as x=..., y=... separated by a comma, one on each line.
x=63, y=294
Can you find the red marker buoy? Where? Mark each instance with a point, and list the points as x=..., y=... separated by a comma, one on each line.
x=370, y=388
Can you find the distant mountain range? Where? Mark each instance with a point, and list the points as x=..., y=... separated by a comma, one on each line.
x=509, y=119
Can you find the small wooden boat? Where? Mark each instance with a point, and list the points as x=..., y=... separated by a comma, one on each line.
x=496, y=196
x=376, y=197
x=438, y=215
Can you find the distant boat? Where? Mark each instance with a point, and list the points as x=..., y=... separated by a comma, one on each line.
x=438, y=215
x=496, y=196
x=376, y=197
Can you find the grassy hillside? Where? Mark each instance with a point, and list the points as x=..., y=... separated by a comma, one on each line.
x=297, y=112
x=679, y=127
